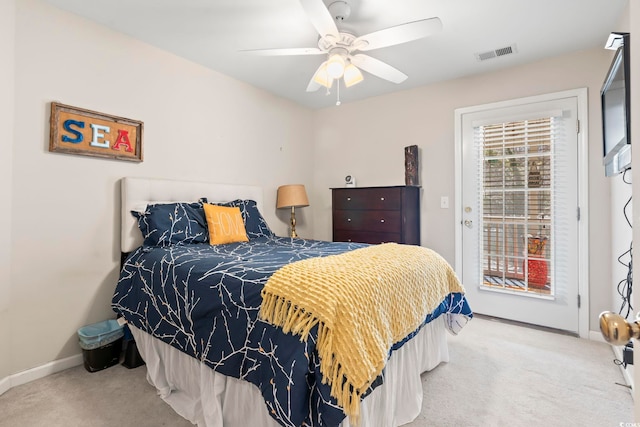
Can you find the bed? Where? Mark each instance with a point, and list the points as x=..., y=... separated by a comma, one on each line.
x=195, y=311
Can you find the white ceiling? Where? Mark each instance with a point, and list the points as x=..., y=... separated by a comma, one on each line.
x=214, y=32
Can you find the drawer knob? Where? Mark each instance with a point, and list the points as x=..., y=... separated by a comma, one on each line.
x=348, y=199
x=348, y=240
x=382, y=198
x=348, y=219
x=382, y=220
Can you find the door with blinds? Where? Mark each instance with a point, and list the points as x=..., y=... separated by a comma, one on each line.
x=519, y=219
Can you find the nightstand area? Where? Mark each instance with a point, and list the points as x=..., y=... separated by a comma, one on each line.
x=376, y=214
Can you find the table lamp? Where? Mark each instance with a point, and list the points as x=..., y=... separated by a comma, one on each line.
x=292, y=196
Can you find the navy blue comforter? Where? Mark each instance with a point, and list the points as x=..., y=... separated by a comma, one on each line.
x=204, y=300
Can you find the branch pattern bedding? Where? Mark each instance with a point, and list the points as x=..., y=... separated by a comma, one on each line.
x=361, y=289
x=204, y=300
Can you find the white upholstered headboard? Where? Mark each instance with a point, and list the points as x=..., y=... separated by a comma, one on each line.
x=137, y=192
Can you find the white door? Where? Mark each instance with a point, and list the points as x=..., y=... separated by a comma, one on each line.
x=519, y=211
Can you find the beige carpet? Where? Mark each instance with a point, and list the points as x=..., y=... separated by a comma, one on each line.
x=499, y=375
x=506, y=375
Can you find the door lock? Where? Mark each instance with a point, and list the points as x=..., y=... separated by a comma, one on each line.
x=468, y=223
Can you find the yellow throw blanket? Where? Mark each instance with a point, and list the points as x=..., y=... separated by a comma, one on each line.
x=363, y=302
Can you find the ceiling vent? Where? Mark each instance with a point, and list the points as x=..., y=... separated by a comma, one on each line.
x=508, y=50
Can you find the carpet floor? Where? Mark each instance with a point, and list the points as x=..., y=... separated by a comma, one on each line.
x=500, y=374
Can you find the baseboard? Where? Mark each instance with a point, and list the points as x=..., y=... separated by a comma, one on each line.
x=596, y=336
x=627, y=372
x=5, y=385
x=38, y=372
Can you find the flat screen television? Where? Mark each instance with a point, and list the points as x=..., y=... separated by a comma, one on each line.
x=616, y=109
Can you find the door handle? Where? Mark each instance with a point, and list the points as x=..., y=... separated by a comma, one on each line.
x=468, y=223
x=616, y=329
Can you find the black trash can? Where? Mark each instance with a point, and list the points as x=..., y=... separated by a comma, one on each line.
x=101, y=344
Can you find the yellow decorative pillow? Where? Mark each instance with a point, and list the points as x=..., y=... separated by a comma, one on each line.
x=225, y=224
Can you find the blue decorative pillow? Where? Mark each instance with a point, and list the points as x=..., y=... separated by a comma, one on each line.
x=172, y=223
x=254, y=223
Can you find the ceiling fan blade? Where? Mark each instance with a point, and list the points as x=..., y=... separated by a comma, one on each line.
x=313, y=85
x=320, y=17
x=378, y=68
x=286, y=51
x=399, y=34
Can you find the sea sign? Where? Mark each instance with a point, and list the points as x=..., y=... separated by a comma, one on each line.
x=89, y=133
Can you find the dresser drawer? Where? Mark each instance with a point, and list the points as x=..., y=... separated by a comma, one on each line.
x=365, y=237
x=367, y=199
x=381, y=221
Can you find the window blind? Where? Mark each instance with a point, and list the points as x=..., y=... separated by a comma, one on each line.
x=516, y=184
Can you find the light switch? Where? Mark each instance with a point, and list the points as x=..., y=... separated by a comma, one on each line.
x=444, y=202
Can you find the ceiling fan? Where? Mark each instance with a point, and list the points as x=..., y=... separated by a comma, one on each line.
x=341, y=48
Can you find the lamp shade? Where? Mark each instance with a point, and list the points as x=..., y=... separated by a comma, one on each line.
x=322, y=76
x=293, y=195
x=352, y=76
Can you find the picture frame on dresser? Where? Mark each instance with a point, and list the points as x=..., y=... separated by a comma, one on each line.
x=376, y=214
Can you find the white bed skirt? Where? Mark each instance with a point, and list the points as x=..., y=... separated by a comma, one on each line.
x=210, y=399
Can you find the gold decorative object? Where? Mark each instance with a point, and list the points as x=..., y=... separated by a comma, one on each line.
x=616, y=329
x=292, y=196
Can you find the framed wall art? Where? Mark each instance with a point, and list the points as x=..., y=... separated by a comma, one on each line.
x=89, y=133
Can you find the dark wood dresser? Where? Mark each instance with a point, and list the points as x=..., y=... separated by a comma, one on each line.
x=376, y=214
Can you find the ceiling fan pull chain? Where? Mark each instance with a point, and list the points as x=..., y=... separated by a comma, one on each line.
x=338, y=87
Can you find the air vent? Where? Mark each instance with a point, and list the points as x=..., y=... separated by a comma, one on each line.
x=508, y=50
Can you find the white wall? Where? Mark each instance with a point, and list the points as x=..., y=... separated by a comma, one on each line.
x=621, y=236
x=634, y=29
x=367, y=138
x=621, y=233
x=198, y=125
x=7, y=29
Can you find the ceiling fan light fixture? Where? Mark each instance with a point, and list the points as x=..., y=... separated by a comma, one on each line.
x=322, y=76
x=352, y=75
x=335, y=66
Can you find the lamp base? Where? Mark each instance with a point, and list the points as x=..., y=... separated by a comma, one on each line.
x=293, y=233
